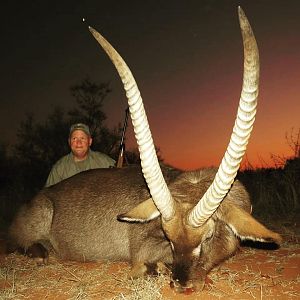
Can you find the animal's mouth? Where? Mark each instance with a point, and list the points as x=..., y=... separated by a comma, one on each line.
x=187, y=289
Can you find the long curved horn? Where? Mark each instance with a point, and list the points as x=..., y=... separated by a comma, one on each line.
x=241, y=131
x=151, y=169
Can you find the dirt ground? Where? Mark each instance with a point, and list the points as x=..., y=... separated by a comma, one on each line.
x=250, y=274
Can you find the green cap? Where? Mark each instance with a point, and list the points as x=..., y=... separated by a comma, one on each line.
x=80, y=126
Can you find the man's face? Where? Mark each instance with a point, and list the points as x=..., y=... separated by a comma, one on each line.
x=80, y=143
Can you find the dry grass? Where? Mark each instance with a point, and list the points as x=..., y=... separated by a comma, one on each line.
x=251, y=274
x=20, y=278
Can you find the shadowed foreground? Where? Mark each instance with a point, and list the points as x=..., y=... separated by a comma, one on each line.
x=251, y=274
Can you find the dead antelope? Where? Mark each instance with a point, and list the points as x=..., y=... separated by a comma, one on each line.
x=191, y=221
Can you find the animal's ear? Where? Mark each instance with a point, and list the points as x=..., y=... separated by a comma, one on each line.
x=144, y=212
x=246, y=227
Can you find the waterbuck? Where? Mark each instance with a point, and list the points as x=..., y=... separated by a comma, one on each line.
x=152, y=216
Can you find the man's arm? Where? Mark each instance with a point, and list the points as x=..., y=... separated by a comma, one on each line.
x=58, y=171
x=53, y=177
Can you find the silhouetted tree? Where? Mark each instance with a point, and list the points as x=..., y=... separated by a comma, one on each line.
x=293, y=141
x=90, y=97
x=292, y=138
x=43, y=142
x=40, y=144
x=11, y=187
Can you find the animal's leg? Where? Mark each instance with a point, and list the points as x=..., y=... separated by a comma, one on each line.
x=141, y=269
x=39, y=253
x=31, y=225
x=138, y=269
x=150, y=257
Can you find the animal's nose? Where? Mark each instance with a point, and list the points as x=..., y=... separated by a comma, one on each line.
x=183, y=289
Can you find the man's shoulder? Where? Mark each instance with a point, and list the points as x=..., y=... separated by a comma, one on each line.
x=99, y=156
x=63, y=160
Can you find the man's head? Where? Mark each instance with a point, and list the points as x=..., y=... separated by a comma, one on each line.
x=80, y=141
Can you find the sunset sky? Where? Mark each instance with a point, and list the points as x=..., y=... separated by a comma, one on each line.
x=186, y=57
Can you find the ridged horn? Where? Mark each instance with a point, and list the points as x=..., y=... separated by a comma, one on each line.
x=150, y=166
x=230, y=164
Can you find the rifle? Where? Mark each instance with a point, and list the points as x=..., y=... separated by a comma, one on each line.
x=122, y=143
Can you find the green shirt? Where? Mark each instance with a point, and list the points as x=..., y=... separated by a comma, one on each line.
x=67, y=166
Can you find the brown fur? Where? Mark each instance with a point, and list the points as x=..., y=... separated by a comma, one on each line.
x=78, y=217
